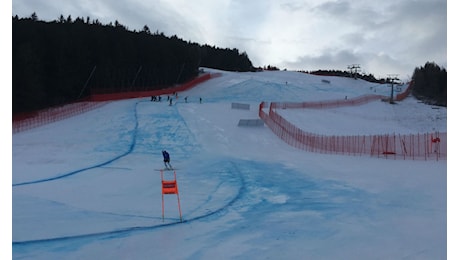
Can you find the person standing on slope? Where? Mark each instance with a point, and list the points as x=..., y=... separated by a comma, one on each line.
x=166, y=160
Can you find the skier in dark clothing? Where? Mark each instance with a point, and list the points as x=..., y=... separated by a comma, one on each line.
x=166, y=160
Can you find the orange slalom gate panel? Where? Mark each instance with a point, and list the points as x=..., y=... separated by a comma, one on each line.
x=169, y=187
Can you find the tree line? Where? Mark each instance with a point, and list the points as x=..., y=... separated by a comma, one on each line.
x=342, y=73
x=429, y=83
x=65, y=60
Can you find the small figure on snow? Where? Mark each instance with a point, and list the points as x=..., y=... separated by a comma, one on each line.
x=166, y=160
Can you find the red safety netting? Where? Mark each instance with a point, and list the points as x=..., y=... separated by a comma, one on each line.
x=26, y=121
x=419, y=146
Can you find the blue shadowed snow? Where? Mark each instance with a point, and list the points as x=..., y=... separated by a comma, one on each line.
x=87, y=187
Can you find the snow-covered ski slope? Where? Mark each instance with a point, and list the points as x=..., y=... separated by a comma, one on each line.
x=86, y=187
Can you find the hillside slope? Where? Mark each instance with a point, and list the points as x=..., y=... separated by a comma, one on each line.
x=86, y=187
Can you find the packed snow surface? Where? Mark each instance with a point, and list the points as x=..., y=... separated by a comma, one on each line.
x=88, y=187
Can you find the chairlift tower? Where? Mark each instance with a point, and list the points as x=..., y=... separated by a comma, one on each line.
x=392, y=78
x=354, y=70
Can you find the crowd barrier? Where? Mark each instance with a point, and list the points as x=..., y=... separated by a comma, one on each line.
x=109, y=95
x=420, y=146
x=26, y=121
x=327, y=104
x=404, y=94
x=240, y=106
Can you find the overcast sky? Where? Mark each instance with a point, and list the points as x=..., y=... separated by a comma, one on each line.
x=382, y=37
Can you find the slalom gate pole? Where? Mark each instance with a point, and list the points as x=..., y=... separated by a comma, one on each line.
x=178, y=200
x=162, y=198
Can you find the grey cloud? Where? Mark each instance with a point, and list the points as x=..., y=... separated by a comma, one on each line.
x=358, y=14
x=379, y=65
x=354, y=39
x=329, y=59
x=294, y=6
x=401, y=34
x=335, y=8
x=392, y=36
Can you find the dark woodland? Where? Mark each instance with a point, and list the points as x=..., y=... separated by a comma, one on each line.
x=67, y=59
x=430, y=84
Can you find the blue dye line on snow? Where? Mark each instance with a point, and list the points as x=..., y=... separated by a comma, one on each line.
x=130, y=149
x=131, y=230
